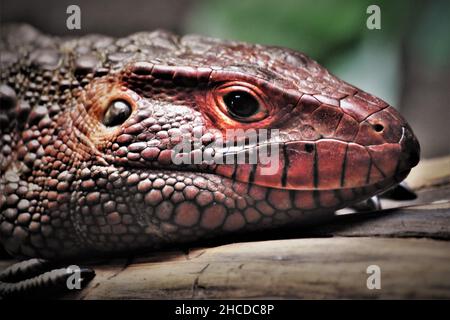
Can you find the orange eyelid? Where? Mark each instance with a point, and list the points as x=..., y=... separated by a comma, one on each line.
x=222, y=90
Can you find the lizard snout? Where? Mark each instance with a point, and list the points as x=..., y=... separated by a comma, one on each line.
x=392, y=145
x=410, y=146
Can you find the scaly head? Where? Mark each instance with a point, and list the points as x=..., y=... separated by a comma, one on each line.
x=128, y=184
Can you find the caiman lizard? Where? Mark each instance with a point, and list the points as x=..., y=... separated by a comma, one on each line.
x=89, y=126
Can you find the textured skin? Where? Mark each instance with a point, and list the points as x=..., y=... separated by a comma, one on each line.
x=71, y=186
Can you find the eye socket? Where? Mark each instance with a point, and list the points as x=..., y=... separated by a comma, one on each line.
x=242, y=102
x=118, y=111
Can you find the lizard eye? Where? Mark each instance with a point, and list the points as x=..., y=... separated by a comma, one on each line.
x=118, y=111
x=241, y=103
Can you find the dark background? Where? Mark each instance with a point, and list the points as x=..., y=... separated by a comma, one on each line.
x=407, y=62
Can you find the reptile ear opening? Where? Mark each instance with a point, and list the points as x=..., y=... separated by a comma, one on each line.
x=117, y=112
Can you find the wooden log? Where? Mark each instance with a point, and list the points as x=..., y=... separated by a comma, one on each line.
x=428, y=220
x=430, y=173
x=297, y=268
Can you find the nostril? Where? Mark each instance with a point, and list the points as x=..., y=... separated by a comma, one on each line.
x=309, y=147
x=378, y=127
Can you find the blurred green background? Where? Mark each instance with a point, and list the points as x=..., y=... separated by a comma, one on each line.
x=406, y=63
x=332, y=32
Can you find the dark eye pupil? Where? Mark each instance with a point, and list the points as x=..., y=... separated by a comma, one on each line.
x=117, y=113
x=241, y=104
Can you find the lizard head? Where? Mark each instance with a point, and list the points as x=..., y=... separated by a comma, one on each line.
x=146, y=148
x=331, y=143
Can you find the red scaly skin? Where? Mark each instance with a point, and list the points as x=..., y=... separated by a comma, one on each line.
x=73, y=186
